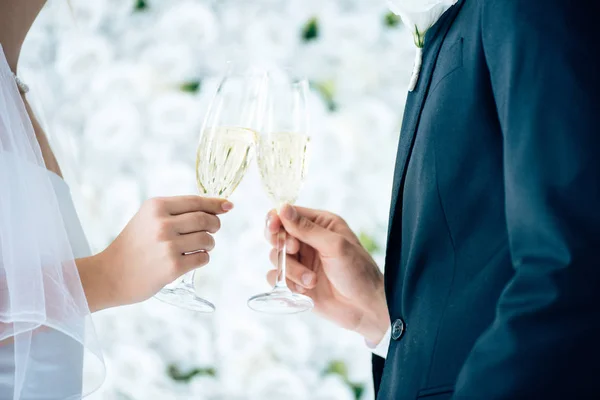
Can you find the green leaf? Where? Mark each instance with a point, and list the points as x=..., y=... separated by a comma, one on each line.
x=191, y=86
x=311, y=30
x=185, y=376
x=327, y=91
x=392, y=20
x=122, y=396
x=140, y=5
x=358, y=390
x=368, y=242
x=338, y=368
x=419, y=38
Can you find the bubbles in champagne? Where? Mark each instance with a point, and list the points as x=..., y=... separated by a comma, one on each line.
x=222, y=159
x=282, y=160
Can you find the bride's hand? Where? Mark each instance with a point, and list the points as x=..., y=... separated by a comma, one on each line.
x=149, y=253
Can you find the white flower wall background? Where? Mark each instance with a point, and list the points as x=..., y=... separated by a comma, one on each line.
x=123, y=96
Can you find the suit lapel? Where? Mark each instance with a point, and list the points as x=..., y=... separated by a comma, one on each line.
x=414, y=104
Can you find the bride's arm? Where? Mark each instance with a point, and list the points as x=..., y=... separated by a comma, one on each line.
x=142, y=259
x=152, y=250
x=148, y=254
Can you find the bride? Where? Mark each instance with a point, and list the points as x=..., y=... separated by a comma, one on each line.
x=49, y=280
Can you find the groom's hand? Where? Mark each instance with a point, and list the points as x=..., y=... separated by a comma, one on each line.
x=327, y=263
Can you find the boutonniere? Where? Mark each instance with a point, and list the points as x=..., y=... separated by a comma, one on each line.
x=419, y=16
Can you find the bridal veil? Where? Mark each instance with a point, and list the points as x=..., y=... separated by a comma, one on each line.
x=45, y=324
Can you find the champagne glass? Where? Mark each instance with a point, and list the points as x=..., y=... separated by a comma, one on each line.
x=224, y=152
x=282, y=155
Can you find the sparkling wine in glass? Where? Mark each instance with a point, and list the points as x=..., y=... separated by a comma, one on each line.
x=282, y=155
x=224, y=152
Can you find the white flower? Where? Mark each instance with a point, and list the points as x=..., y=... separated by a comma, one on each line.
x=89, y=14
x=121, y=199
x=37, y=48
x=115, y=128
x=359, y=74
x=79, y=57
x=277, y=383
x=175, y=116
x=156, y=152
x=353, y=126
x=333, y=387
x=419, y=16
x=122, y=80
x=272, y=40
x=195, y=344
x=172, y=63
x=205, y=387
x=189, y=22
x=175, y=179
x=347, y=29
x=294, y=344
x=130, y=363
x=118, y=9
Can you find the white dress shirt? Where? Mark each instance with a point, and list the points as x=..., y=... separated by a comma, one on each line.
x=381, y=349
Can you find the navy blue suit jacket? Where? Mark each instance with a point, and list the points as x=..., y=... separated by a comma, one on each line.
x=493, y=259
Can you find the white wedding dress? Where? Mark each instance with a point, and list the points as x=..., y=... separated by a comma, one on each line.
x=47, y=339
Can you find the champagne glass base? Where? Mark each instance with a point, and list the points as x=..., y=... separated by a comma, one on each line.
x=281, y=301
x=185, y=297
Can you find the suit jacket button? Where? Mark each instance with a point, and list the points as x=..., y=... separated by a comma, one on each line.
x=398, y=328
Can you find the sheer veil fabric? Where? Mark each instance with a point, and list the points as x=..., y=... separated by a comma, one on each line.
x=46, y=331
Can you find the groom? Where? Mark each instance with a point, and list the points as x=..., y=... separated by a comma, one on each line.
x=492, y=274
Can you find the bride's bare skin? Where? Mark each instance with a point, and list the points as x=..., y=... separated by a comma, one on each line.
x=149, y=253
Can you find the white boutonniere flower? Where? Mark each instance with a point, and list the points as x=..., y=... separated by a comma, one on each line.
x=419, y=16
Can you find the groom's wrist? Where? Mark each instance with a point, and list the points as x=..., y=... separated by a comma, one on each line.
x=375, y=321
x=373, y=329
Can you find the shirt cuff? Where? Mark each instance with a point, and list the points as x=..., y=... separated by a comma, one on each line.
x=381, y=349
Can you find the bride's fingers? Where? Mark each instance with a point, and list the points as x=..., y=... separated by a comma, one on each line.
x=194, y=242
x=296, y=272
x=196, y=222
x=185, y=204
x=294, y=287
x=189, y=262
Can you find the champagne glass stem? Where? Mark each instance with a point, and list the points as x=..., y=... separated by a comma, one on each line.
x=188, y=278
x=281, y=283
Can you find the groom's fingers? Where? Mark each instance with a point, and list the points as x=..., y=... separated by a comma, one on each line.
x=294, y=287
x=273, y=222
x=296, y=272
x=325, y=241
x=292, y=244
x=272, y=228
